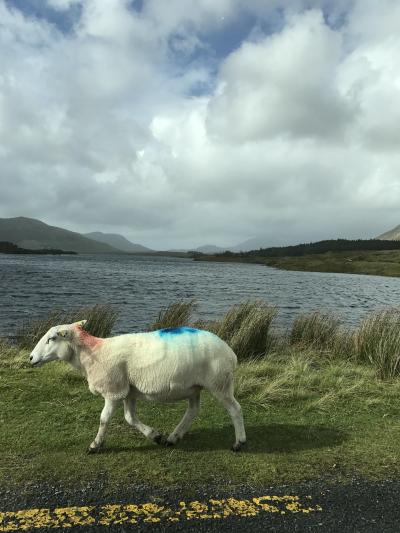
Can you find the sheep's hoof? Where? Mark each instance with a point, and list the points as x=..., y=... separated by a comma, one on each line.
x=160, y=439
x=93, y=449
x=173, y=439
x=238, y=446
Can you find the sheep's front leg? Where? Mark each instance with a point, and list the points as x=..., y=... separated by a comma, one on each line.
x=132, y=419
x=105, y=417
x=191, y=412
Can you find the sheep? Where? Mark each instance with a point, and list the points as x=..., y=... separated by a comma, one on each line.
x=163, y=365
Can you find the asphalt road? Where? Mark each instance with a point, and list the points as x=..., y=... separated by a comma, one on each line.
x=357, y=507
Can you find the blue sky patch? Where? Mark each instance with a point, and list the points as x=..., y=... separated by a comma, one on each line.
x=64, y=20
x=137, y=5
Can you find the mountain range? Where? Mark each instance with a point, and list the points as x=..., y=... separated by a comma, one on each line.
x=34, y=234
x=117, y=241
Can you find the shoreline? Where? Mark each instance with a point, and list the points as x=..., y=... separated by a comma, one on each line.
x=373, y=263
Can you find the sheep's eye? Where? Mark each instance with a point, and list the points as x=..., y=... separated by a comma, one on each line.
x=50, y=339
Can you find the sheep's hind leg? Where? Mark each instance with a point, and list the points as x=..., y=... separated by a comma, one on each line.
x=191, y=412
x=233, y=407
x=105, y=417
x=132, y=419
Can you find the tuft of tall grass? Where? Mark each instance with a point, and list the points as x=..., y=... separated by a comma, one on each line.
x=342, y=346
x=11, y=356
x=246, y=328
x=100, y=321
x=377, y=340
x=303, y=377
x=175, y=315
x=317, y=330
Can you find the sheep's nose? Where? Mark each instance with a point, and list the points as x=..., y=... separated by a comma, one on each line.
x=30, y=357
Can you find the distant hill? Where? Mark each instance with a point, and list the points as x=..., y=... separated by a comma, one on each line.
x=246, y=246
x=210, y=249
x=392, y=235
x=206, y=249
x=117, y=241
x=251, y=244
x=36, y=235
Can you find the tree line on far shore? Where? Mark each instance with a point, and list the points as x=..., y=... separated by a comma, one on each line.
x=320, y=247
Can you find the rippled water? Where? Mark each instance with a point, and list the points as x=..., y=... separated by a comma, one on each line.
x=139, y=287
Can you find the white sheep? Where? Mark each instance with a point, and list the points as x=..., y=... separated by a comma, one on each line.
x=164, y=365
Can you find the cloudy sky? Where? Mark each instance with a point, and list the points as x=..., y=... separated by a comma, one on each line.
x=184, y=122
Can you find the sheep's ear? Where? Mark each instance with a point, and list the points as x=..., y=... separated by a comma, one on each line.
x=62, y=333
x=81, y=323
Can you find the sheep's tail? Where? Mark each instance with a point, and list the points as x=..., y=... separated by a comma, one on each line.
x=234, y=358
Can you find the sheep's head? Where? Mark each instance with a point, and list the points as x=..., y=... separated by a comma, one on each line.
x=55, y=344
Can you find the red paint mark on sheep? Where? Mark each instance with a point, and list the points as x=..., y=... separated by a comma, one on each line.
x=88, y=340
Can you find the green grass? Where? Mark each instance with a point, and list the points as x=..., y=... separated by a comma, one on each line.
x=375, y=263
x=320, y=401
x=246, y=328
x=307, y=417
x=317, y=330
x=175, y=315
x=377, y=341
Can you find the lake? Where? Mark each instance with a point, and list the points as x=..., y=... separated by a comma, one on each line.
x=139, y=286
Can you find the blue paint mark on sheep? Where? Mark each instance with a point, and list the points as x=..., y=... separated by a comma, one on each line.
x=169, y=332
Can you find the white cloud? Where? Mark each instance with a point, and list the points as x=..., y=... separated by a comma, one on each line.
x=198, y=14
x=284, y=85
x=372, y=22
x=371, y=74
x=296, y=138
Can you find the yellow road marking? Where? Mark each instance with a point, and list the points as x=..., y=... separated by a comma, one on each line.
x=130, y=513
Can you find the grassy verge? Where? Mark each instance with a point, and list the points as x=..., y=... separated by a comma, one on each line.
x=375, y=263
x=305, y=419
x=382, y=263
x=314, y=404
